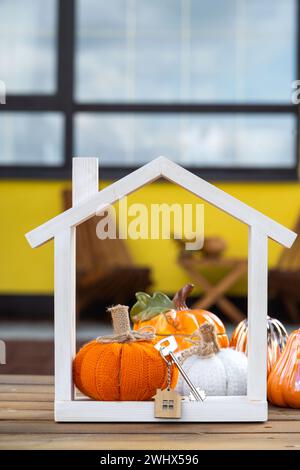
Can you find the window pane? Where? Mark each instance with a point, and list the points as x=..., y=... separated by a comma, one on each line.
x=31, y=138
x=245, y=53
x=186, y=50
x=28, y=45
x=194, y=140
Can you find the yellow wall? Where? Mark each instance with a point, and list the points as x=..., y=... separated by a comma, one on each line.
x=26, y=204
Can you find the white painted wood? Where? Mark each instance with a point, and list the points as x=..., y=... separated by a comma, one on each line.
x=146, y=174
x=257, y=313
x=87, y=201
x=94, y=204
x=64, y=308
x=219, y=198
x=2, y=352
x=218, y=409
x=85, y=183
x=85, y=179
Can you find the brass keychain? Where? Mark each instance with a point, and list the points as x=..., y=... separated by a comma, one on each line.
x=166, y=347
x=168, y=401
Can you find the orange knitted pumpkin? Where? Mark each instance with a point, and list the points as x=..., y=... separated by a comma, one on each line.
x=284, y=379
x=121, y=367
x=173, y=317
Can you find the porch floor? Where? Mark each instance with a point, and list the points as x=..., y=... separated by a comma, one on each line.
x=26, y=422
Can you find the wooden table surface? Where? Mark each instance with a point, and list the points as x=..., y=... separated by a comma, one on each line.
x=26, y=422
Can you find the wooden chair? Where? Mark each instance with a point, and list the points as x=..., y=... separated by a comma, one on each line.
x=284, y=280
x=195, y=263
x=104, y=268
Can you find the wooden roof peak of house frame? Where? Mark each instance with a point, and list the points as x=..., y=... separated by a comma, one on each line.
x=160, y=167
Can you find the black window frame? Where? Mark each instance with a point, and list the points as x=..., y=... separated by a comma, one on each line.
x=63, y=101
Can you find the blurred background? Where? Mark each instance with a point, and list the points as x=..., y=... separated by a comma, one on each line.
x=206, y=83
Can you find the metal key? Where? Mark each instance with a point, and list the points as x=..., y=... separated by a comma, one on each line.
x=166, y=347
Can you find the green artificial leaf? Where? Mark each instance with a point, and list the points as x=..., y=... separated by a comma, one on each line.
x=147, y=306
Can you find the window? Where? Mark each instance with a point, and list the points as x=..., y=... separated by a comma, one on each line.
x=181, y=51
x=223, y=140
x=31, y=138
x=168, y=404
x=27, y=46
x=31, y=124
x=205, y=83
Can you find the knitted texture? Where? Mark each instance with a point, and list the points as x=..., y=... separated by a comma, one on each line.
x=112, y=372
x=120, y=318
x=235, y=364
x=217, y=372
x=123, y=366
x=206, y=373
x=225, y=373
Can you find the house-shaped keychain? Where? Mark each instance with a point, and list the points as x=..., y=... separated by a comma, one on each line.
x=167, y=404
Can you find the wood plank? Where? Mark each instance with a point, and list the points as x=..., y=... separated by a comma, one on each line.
x=150, y=441
x=30, y=401
x=26, y=422
x=27, y=397
x=13, y=414
x=26, y=388
x=64, y=312
x=161, y=167
x=215, y=409
x=85, y=185
x=85, y=179
x=257, y=313
x=26, y=379
x=109, y=195
x=26, y=426
x=278, y=414
x=275, y=414
x=26, y=405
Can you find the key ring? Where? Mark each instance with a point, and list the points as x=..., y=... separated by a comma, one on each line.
x=168, y=362
x=167, y=347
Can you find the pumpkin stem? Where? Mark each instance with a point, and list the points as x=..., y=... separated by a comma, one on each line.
x=205, y=345
x=122, y=330
x=120, y=319
x=208, y=335
x=179, y=299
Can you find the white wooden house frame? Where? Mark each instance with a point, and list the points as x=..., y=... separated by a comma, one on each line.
x=87, y=200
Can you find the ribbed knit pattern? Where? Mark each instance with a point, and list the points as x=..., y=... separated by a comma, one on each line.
x=127, y=371
x=225, y=373
x=235, y=364
x=206, y=373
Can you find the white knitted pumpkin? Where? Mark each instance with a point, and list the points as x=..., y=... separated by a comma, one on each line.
x=217, y=372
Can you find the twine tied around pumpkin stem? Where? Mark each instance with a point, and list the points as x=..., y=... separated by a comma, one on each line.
x=122, y=331
x=204, y=343
x=208, y=334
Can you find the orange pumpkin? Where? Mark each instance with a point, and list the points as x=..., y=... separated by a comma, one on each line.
x=125, y=366
x=284, y=380
x=277, y=337
x=173, y=317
